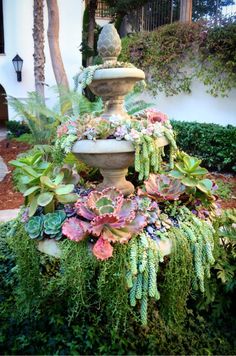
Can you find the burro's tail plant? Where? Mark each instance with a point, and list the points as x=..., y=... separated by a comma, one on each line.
x=141, y=278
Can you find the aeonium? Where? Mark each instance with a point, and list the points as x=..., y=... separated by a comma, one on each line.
x=107, y=216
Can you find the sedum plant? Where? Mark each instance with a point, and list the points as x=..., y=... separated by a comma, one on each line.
x=109, y=217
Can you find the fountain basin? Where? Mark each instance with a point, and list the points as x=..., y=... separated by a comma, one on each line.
x=112, y=84
x=113, y=158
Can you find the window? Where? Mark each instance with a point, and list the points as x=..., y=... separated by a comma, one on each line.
x=103, y=10
x=1, y=29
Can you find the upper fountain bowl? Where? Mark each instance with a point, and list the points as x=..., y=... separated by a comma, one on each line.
x=112, y=82
x=115, y=80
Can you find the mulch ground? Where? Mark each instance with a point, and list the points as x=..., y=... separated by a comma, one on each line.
x=11, y=199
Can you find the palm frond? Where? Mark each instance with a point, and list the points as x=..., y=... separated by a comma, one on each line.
x=134, y=105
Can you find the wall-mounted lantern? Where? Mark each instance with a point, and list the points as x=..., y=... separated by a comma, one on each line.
x=18, y=63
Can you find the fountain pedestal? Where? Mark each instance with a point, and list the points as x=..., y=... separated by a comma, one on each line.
x=112, y=157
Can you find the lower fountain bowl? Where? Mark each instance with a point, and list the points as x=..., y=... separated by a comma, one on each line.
x=112, y=157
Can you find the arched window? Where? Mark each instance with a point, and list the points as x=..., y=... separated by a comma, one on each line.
x=3, y=107
x=1, y=29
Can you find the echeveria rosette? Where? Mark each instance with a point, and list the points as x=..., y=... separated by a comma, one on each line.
x=162, y=188
x=52, y=223
x=75, y=229
x=111, y=216
x=34, y=227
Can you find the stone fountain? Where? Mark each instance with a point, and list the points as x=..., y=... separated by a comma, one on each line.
x=112, y=157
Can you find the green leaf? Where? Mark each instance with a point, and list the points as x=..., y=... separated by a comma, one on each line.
x=191, y=162
x=176, y=174
x=205, y=186
x=189, y=182
x=45, y=198
x=59, y=178
x=31, y=171
x=199, y=172
x=16, y=163
x=67, y=198
x=33, y=206
x=64, y=189
x=47, y=181
x=181, y=167
x=31, y=190
x=36, y=158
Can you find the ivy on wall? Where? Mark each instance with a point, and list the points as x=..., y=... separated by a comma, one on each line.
x=173, y=55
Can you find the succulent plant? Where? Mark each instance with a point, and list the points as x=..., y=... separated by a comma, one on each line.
x=34, y=227
x=188, y=170
x=75, y=229
x=161, y=187
x=52, y=223
x=111, y=216
x=102, y=249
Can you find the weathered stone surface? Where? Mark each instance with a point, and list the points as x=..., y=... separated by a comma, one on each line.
x=109, y=43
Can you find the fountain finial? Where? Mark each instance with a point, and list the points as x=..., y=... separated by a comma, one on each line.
x=109, y=43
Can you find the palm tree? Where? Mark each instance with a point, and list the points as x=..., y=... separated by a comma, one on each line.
x=39, y=57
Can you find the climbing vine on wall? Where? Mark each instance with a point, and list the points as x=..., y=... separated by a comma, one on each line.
x=173, y=55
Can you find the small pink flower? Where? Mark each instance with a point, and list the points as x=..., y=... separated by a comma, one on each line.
x=62, y=130
x=156, y=116
x=102, y=249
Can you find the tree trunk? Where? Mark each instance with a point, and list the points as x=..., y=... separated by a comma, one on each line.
x=53, y=41
x=186, y=7
x=39, y=57
x=91, y=27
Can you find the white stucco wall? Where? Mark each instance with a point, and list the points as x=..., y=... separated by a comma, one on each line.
x=197, y=106
x=18, y=25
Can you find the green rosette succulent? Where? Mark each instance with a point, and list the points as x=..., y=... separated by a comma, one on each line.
x=34, y=227
x=52, y=224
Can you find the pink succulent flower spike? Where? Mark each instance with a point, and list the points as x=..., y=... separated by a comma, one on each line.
x=102, y=249
x=75, y=229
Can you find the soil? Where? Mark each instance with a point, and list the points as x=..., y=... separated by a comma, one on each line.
x=11, y=199
x=226, y=178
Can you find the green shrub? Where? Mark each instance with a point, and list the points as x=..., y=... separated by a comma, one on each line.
x=17, y=128
x=26, y=138
x=214, y=144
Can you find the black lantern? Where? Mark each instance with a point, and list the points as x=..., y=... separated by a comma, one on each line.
x=18, y=63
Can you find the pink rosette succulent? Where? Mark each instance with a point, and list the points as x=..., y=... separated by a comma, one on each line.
x=154, y=116
x=161, y=188
x=111, y=216
x=102, y=249
x=75, y=229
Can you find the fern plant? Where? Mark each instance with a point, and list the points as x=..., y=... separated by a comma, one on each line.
x=41, y=120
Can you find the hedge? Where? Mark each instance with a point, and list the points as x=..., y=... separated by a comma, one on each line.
x=214, y=144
